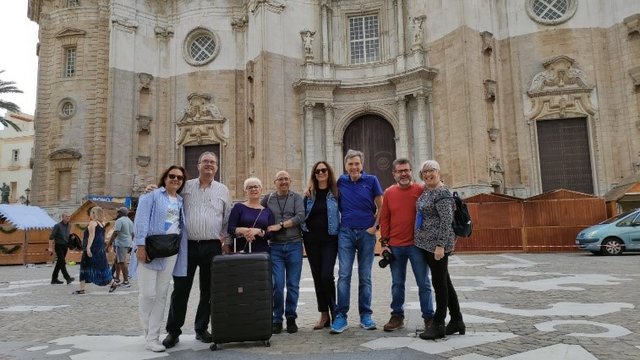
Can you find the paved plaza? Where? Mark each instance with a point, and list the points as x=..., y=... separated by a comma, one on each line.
x=570, y=306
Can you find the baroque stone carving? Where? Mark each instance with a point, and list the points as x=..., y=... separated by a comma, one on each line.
x=633, y=24
x=143, y=161
x=70, y=32
x=271, y=5
x=496, y=172
x=562, y=90
x=126, y=24
x=201, y=122
x=490, y=90
x=145, y=80
x=488, y=42
x=418, y=32
x=165, y=32
x=65, y=154
x=493, y=133
x=144, y=123
x=635, y=76
x=307, y=43
x=239, y=23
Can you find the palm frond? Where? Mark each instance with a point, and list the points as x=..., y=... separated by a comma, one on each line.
x=7, y=123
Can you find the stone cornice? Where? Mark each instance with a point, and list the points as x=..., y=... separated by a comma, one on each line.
x=33, y=10
x=65, y=154
x=69, y=32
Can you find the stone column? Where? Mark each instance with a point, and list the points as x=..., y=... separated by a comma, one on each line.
x=403, y=141
x=400, y=20
x=326, y=69
x=308, y=133
x=422, y=137
x=328, y=128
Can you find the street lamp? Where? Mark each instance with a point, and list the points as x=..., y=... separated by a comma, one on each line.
x=27, y=191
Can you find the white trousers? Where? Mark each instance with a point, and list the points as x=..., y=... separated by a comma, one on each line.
x=153, y=287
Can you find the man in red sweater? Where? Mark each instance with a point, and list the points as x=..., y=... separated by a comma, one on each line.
x=397, y=222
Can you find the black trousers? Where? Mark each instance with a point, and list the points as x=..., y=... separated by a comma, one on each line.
x=322, y=251
x=446, y=296
x=61, y=264
x=200, y=255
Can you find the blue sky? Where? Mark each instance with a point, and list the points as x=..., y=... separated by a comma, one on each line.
x=18, y=40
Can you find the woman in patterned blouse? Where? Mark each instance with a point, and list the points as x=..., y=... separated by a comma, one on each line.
x=434, y=235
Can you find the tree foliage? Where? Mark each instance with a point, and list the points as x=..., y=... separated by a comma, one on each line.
x=5, y=88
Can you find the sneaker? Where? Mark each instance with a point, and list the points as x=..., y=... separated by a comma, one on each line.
x=396, y=322
x=339, y=324
x=367, y=323
x=155, y=346
x=126, y=284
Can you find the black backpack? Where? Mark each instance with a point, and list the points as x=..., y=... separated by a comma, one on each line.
x=462, y=224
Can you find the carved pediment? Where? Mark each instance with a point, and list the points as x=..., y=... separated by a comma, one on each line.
x=560, y=91
x=70, y=32
x=560, y=77
x=201, y=122
x=65, y=154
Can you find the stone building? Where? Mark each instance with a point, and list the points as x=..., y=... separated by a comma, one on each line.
x=512, y=96
x=16, y=159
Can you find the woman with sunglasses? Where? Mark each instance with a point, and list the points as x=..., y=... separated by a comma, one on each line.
x=159, y=212
x=249, y=220
x=320, y=234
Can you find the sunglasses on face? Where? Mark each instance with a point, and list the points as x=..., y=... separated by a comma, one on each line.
x=321, y=171
x=174, y=177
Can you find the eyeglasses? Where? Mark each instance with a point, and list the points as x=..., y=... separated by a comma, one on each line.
x=403, y=171
x=211, y=162
x=174, y=176
x=321, y=171
x=253, y=187
x=283, y=179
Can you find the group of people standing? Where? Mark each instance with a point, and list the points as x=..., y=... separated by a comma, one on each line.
x=335, y=219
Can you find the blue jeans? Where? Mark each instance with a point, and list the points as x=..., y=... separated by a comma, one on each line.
x=351, y=241
x=398, y=266
x=286, y=262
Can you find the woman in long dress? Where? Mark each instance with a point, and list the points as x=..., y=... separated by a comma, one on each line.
x=94, y=267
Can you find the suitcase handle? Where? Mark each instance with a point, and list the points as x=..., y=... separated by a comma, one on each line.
x=234, y=245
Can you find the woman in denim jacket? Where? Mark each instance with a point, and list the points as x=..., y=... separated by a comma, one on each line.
x=320, y=235
x=159, y=212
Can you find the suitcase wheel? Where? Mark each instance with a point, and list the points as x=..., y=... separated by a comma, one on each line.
x=213, y=347
x=267, y=343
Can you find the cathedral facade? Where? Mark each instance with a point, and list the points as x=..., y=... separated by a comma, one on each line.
x=511, y=96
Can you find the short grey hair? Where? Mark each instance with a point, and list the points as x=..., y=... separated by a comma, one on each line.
x=252, y=181
x=430, y=164
x=207, y=153
x=353, y=153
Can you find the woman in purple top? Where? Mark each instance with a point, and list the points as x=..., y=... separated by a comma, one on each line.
x=248, y=221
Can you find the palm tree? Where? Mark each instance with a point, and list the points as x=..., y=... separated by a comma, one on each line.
x=5, y=88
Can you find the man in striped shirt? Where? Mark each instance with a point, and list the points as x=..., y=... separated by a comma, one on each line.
x=207, y=207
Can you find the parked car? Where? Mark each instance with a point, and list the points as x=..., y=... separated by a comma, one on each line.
x=613, y=236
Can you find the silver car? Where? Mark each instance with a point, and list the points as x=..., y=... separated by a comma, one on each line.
x=612, y=236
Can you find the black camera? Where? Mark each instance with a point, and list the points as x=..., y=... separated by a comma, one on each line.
x=387, y=258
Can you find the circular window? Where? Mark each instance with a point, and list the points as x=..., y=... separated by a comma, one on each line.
x=200, y=47
x=66, y=109
x=551, y=12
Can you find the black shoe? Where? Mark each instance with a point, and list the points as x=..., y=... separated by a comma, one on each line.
x=455, y=326
x=276, y=328
x=435, y=331
x=70, y=280
x=204, y=336
x=56, y=281
x=171, y=340
x=291, y=326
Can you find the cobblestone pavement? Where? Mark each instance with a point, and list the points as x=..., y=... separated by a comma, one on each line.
x=571, y=306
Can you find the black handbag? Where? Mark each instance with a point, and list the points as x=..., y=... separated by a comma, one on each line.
x=159, y=246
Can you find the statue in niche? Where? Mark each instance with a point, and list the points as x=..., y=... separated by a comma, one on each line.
x=496, y=172
x=307, y=43
x=418, y=32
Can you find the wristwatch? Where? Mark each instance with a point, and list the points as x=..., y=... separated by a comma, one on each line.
x=282, y=224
